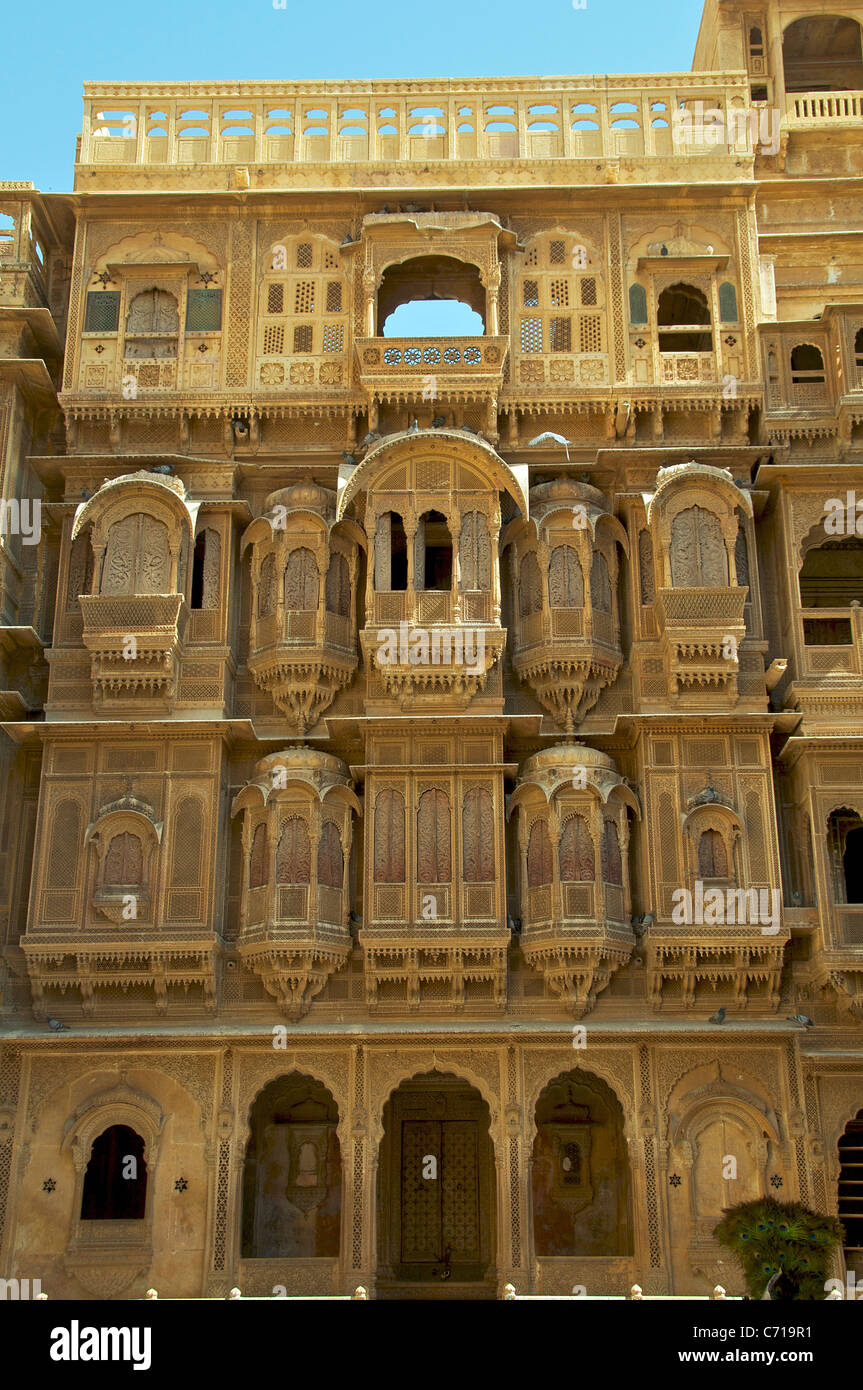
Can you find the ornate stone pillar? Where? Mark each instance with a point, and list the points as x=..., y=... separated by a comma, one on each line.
x=226, y=1185
x=454, y=524
x=369, y=298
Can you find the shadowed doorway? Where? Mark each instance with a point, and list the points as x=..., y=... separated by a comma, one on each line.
x=436, y=1192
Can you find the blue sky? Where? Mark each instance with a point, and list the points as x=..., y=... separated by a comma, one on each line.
x=52, y=47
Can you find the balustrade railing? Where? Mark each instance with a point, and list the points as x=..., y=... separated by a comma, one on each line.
x=252, y=123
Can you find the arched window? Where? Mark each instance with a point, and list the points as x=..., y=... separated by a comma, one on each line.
x=612, y=867
x=206, y=570
x=80, y=570
x=807, y=364
x=637, y=304
x=831, y=576
x=529, y=586
x=433, y=553
x=137, y=557
x=646, y=575
x=858, y=350
x=331, y=860
x=302, y=582
x=267, y=587
x=477, y=821
x=293, y=856
x=600, y=583
x=698, y=554
x=337, y=589
x=565, y=579
x=389, y=837
x=575, y=855
x=539, y=864
x=683, y=320
x=391, y=554
x=124, y=862
x=474, y=552
x=712, y=855
x=415, y=298
x=115, y=1183
x=434, y=861
x=822, y=53
x=258, y=874
x=845, y=842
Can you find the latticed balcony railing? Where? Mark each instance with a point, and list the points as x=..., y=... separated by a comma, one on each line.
x=687, y=367
x=253, y=123
x=429, y=367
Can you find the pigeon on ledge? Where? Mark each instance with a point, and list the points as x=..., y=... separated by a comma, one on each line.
x=802, y=1019
x=55, y=1025
x=718, y=1017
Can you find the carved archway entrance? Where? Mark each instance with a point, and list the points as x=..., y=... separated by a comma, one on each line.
x=292, y=1183
x=436, y=1192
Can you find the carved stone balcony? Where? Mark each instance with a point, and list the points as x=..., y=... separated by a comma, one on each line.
x=817, y=110
x=126, y=957
x=568, y=656
x=303, y=660
x=429, y=369
x=702, y=631
x=689, y=960
x=135, y=643
x=574, y=835
x=431, y=644
x=296, y=838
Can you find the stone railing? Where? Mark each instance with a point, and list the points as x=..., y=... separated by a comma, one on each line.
x=430, y=367
x=811, y=109
x=253, y=123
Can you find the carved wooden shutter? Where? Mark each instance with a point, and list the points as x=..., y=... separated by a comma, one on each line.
x=80, y=570
x=267, y=587
x=576, y=852
x=698, y=554
x=612, y=868
x=565, y=579
x=474, y=552
x=712, y=858
x=539, y=869
x=434, y=863
x=258, y=867
x=529, y=586
x=153, y=311
x=293, y=857
x=124, y=862
x=212, y=569
x=646, y=577
x=118, y=565
x=389, y=837
x=338, y=587
x=478, y=836
x=154, y=567
x=302, y=582
x=600, y=583
x=331, y=863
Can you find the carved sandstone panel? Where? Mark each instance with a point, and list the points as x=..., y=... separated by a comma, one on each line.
x=698, y=554
x=474, y=552
x=565, y=579
x=576, y=852
x=293, y=857
x=478, y=836
x=434, y=858
x=389, y=837
x=539, y=869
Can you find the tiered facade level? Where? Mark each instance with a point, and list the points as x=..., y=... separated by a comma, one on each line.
x=375, y=706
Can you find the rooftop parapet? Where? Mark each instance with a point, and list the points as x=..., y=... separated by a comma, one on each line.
x=275, y=133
